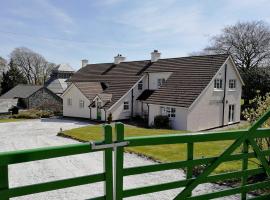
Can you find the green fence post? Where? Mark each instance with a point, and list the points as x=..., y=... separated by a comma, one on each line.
x=119, y=162
x=108, y=163
x=4, y=179
x=244, y=167
x=190, y=152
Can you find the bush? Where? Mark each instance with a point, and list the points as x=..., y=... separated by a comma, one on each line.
x=161, y=121
x=109, y=119
x=261, y=105
x=33, y=114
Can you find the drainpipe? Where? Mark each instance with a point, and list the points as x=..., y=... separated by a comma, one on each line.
x=148, y=80
x=132, y=98
x=224, y=96
x=147, y=114
x=90, y=112
x=105, y=115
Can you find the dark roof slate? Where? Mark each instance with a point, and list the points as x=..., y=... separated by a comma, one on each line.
x=190, y=75
x=189, y=78
x=21, y=91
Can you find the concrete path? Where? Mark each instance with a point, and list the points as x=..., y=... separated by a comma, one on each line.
x=41, y=133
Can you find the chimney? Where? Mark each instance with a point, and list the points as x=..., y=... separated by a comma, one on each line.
x=155, y=55
x=119, y=58
x=84, y=62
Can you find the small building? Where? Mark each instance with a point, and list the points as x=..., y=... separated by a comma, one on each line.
x=57, y=82
x=6, y=104
x=33, y=96
x=196, y=92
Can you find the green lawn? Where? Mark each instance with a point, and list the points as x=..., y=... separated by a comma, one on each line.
x=9, y=120
x=163, y=153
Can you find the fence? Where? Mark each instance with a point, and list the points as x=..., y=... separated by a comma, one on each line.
x=114, y=180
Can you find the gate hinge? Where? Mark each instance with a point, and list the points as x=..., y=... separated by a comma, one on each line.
x=106, y=146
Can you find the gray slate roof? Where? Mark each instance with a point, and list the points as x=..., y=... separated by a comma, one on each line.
x=57, y=86
x=89, y=89
x=21, y=91
x=64, y=67
x=190, y=75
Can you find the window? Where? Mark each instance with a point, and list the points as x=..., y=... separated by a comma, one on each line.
x=218, y=84
x=126, y=105
x=140, y=85
x=81, y=104
x=69, y=101
x=161, y=81
x=169, y=111
x=232, y=84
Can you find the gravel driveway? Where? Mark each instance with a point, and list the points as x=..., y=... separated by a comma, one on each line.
x=40, y=133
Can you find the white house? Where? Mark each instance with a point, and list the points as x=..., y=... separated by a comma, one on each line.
x=196, y=92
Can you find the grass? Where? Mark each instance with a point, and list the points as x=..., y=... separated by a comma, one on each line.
x=5, y=120
x=162, y=153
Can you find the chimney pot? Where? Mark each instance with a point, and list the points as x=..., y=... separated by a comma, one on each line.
x=84, y=62
x=155, y=55
x=119, y=58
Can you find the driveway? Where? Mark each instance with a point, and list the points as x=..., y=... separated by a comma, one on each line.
x=40, y=133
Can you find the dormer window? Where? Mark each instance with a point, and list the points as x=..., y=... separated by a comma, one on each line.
x=232, y=84
x=160, y=82
x=140, y=85
x=218, y=84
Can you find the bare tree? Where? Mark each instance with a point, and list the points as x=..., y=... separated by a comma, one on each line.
x=249, y=45
x=34, y=66
x=3, y=65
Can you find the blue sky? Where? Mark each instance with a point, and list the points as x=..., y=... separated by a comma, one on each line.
x=66, y=31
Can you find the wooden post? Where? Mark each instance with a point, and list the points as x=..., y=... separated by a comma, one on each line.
x=119, y=162
x=108, y=163
x=244, y=167
x=190, y=152
x=4, y=179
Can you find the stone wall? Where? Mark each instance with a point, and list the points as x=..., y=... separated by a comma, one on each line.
x=45, y=99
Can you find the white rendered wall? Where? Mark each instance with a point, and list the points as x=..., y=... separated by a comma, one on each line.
x=74, y=110
x=178, y=123
x=207, y=110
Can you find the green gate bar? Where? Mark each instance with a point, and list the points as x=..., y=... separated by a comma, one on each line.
x=113, y=178
x=21, y=156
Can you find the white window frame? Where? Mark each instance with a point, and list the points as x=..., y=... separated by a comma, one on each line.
x=168, y=111
x=232, y=84
x=218, y=84
x=69, y=101
x=231, y=114
x=140, y=85
x=160, y=82
x=126, y=105
x=81, y=103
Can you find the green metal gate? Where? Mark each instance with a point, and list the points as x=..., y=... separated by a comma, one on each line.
x=114, y=180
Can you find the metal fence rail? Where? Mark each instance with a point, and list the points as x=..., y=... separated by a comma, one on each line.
x=114, y=171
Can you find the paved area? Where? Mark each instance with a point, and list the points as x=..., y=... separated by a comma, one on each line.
x=40, y=133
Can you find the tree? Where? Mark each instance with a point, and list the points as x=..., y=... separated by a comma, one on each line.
x=249, y=45
x=3, y=64
x=11, y=78
x=34, y=66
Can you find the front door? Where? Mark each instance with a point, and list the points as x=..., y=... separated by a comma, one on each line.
x=231, y=113
x=98, y=111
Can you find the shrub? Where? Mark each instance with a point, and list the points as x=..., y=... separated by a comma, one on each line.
x=261, y=105
x=161, y=121
x=109, y=118
x=33, y=114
